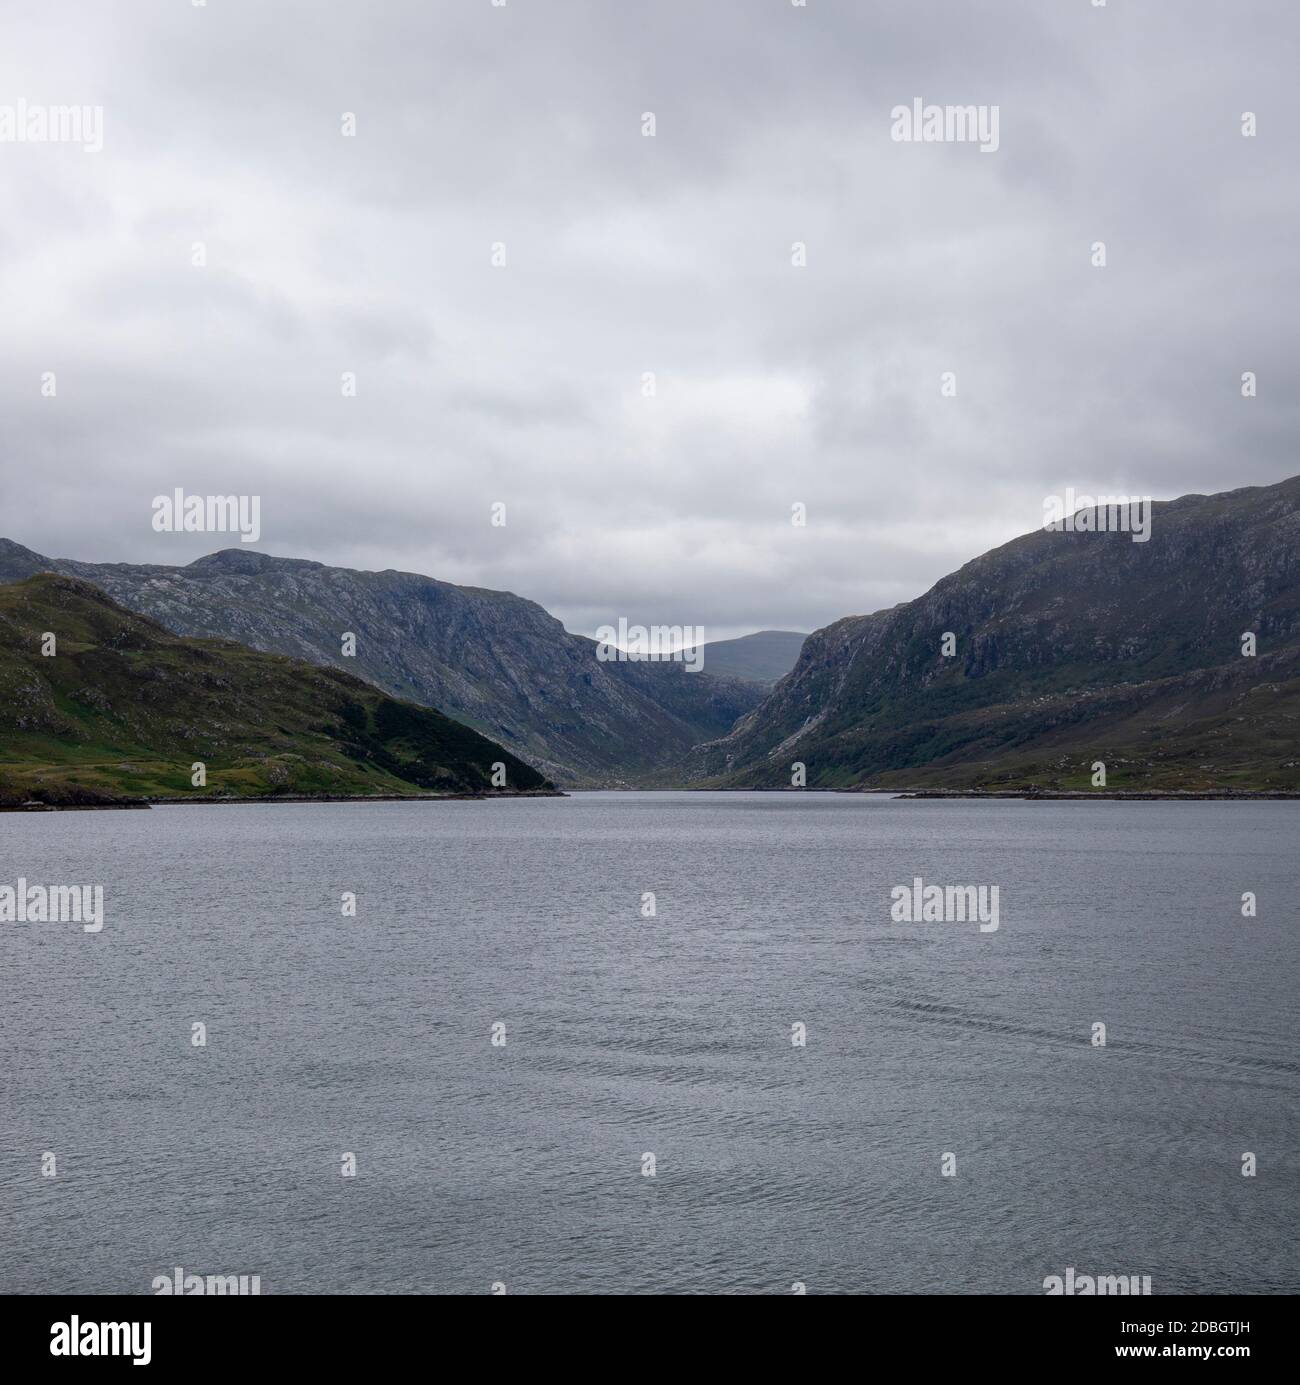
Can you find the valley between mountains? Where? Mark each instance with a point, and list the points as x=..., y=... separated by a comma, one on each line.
x=1174, y=662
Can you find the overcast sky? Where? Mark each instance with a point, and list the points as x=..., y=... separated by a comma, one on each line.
x=775, y=384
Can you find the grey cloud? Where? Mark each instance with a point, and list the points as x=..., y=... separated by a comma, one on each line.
x=627, y=255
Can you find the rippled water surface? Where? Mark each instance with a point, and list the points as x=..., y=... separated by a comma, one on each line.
x=668, y=1035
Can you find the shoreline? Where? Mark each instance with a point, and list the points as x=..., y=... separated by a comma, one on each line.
x=1015, y=795
x=1120, y=795
x=1123, y=795
x=145, y=803
x=363, y=798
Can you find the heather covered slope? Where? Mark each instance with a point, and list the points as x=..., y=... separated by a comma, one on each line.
x=493, y=660
x=123, y=707
x=1071, y=648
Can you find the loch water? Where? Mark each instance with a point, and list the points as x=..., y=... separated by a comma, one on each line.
x=627, y=1035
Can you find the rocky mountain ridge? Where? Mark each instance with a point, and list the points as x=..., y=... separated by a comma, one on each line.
x=495, y=661
x=1069, y=648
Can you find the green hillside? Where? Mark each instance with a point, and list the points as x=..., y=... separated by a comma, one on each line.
x=124, y=708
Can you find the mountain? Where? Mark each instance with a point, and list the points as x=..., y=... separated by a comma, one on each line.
x=493, y=660
x=122, y=707
x=762, y=657
x=1071, y=647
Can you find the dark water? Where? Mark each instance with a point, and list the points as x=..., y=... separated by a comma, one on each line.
x=669, y=1035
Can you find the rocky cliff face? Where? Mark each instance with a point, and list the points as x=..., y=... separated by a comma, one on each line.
x=490, y=659
x=1070, y=647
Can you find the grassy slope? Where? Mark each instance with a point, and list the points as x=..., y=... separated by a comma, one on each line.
x=1229, y=728
x=1181, y=734
x=124, y=708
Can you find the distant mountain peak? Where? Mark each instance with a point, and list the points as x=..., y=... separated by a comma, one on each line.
x=233, y=560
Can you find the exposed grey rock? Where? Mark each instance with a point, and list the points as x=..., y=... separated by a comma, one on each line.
x=493, y=660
